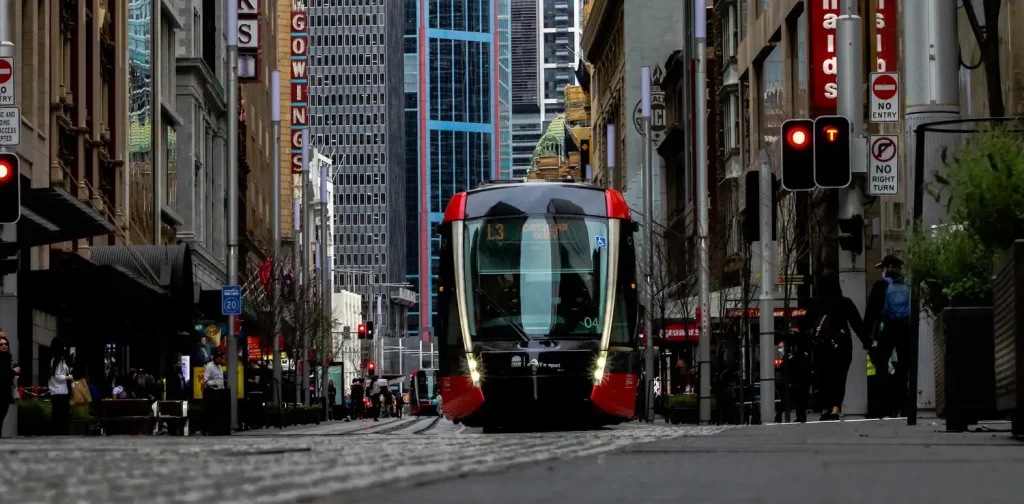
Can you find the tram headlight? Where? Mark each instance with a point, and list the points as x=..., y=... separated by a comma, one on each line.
x=474, y=369
x=599, y=367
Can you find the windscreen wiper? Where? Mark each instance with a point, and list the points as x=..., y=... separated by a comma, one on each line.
x=504, y=314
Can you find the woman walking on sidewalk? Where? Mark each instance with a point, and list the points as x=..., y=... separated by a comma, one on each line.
x=833, y=315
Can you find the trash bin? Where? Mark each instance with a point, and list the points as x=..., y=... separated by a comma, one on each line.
x=217, y=408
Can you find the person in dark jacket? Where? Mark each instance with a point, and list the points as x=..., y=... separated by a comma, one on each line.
x=358, y=407
x=833, y=316
x=8, y=372
x=891, y=331
x=177, y=384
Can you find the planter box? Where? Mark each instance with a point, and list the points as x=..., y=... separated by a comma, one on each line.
x=1008, y=323
x=964, y=356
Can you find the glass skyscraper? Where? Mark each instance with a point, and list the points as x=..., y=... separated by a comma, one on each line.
x=458, y=119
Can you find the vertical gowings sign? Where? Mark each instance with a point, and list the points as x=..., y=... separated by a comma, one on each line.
x=822, y=44
x=299, y=85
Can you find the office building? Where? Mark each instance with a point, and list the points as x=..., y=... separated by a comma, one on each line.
x=356, y=120
x=546, y=49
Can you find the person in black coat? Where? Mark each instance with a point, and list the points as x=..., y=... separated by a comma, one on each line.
x=177, y=384
x=833, y=316
x=8, y=372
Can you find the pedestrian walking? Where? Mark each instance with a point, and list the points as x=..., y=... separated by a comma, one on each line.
x=358, y=406
x=834, y=315
x=60, y=386
x=399, y=403
x=887, y=319
x=9, y=372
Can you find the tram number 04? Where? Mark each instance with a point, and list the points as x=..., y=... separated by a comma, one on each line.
x=495, y=232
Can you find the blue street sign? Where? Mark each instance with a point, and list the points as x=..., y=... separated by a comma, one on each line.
x=231, y=300
x=601, y=241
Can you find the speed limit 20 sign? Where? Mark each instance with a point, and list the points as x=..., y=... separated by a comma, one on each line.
x=7, y=81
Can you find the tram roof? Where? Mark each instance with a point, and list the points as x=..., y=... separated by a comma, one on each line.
x=519, y=197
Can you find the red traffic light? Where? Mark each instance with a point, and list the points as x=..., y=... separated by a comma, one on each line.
x=362, y=328
x=370, y=366
x=798, y=137
x=5, y=170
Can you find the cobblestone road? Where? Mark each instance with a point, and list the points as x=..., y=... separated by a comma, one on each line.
x=284, y=466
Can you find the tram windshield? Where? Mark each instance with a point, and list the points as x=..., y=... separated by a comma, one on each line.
x=536, y=275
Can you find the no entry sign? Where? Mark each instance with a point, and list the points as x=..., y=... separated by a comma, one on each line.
x=6, y=81
x=885, y=97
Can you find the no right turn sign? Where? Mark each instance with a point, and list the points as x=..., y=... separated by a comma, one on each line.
x=883, y=175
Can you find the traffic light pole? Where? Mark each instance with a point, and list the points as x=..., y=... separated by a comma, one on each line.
x=276, y=263
x=852, y=275
x=232, y=197
x=648, y=186
x=766, y=304
x=9, y=289
x=703, y=254
x=307, y=246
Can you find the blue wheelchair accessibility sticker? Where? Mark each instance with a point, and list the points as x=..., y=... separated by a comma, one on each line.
x=601, y=241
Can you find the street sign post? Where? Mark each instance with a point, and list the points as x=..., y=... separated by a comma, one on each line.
x=10, y=126
x=883, y=178
x=885, y=97
x=230, y=300
x=7, y=81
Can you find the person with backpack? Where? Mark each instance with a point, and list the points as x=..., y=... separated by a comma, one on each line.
x=833, y=316
x=887, y=319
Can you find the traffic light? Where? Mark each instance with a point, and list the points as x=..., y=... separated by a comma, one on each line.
x=371, y=367
x=831, y=144
x=752, y=217
x=797, y=155
x=369, y=330
x=10, y=188
x=362, y=331
x=851, y=234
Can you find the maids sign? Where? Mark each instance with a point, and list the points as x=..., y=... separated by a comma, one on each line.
x=822, y=43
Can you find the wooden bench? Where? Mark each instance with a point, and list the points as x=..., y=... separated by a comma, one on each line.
x=175, y=415
x=125, y=416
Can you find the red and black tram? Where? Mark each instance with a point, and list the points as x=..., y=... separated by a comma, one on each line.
x=422, y=393
x=537, y=305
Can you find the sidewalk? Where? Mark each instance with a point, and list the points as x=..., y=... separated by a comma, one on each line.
x=848, y=461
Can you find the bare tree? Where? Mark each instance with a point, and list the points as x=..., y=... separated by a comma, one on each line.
x=296, y=318
x=674, y=275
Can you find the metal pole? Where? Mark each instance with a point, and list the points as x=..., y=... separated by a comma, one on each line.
x=648, y=186
x=232, y=197
x=276, y=264
x=930, y=55
x=850, y=103
x=419, y=365
x=703, y=256
x=307, y=247
x=325, y=272
x=9, y=289
x=297, y=288
x=766, y=320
